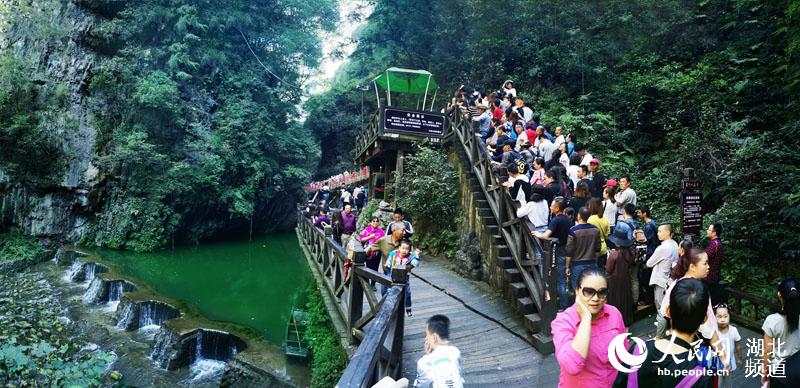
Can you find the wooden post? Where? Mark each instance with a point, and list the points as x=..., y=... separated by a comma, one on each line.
x=355, y=303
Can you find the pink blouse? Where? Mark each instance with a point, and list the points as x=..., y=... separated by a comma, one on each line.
x=594, y=370
x=537, y=178
x=370, y=230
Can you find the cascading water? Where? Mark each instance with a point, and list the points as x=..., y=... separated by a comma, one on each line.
x=57, y=256
x=163, y=348
x=90, y=270
x=92, y=293
x=115, y=289
x=125, y=316
x=73, y=270
x=203, y=369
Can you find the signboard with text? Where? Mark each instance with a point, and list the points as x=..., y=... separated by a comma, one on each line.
x=691, y=207
x=427, y=124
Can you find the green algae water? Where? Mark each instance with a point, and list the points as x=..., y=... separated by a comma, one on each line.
x=254, y=284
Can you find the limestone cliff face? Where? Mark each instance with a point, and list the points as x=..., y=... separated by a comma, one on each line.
x=58, y=60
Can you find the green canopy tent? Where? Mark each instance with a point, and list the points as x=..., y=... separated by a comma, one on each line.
x=395, y=79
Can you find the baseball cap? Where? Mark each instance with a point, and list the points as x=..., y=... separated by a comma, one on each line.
x=595, y=161
x=610, y=183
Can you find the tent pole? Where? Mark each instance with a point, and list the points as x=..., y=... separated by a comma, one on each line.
x=434, y=99
x=388, y=89
x=377, y=96
x=426, y=92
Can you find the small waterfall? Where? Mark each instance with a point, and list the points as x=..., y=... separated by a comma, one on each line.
x=57, y=256
x=73, y=270
x=204, y=369
x=92, y=294
x=163, y=349
x=155, y=313
x=115, y=289
x=125, y=316
x=90, y=270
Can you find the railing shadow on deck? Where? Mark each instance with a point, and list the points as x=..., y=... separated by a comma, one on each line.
x=377, y=332
x=515, y=231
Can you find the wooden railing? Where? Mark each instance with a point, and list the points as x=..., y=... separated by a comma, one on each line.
x=379, y=331
x=749, y=310
x=514, y=230
x=369, y=134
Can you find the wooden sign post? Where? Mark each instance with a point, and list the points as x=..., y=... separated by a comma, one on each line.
x=691, y=205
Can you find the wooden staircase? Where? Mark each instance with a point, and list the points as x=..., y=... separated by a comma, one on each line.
x=504, y=242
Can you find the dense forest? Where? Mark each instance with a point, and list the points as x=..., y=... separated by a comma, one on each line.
x=650, y=87
x=142, y=124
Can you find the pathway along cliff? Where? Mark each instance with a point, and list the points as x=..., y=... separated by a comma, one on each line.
x=203, y=316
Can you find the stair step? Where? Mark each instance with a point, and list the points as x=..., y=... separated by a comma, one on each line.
x=525, y=305
x=502, y=250
x=517, y=290
x=497, y=237
x=506, y=262
x=533, y=322
x=488, y=220
x=482, y=203
x=485, y=212
x=493, y=229
x=512, y=275
x=543, y=343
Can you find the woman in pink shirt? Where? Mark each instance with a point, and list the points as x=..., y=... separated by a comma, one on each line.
x=537, y=178
x=583, y=332
x=369, y=236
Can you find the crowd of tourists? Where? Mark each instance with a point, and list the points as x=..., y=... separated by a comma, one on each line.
x=611, y=258
x=390, y=251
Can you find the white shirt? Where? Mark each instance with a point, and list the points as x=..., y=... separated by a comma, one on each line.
x=586, y=159
x=572, y=173
x=511, y=92
x=626, y=196
x=662, y=259
x=559, y=140
x=537, y=212
x=441, y=368
x=546, y=149
x=521, y=138
x=564, y=160
x=728, y=341
x=610, y=212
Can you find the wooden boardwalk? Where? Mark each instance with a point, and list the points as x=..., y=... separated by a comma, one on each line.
x=491, y=338
x=489, y=334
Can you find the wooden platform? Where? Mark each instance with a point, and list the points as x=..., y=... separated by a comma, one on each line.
x=493, y=343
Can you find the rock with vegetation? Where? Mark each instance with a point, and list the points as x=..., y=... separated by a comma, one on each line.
x=39, y=347
x=328, y=358
x=142, y=124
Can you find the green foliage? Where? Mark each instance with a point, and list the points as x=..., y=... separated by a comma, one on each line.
x=195, y=137
x=428, y=189
x=26, y=150
x=15, y=245
x=38, y=349
x=328, y=358
x=43, y=363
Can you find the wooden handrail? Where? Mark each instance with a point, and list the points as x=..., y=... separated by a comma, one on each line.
x=517, y=235
x=378, y=332
x=364, y=368
x=753, y=314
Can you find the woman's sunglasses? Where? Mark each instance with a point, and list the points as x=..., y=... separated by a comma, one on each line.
x=589, y=292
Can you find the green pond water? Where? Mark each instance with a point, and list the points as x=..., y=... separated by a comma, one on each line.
x=254, y=284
